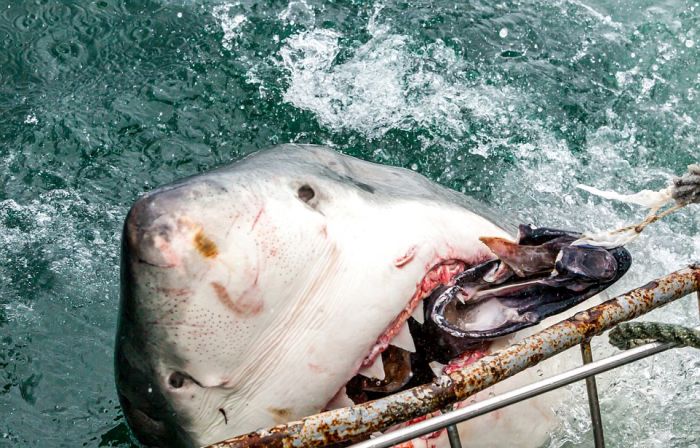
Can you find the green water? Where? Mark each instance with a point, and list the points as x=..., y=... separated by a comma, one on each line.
x=513, y=102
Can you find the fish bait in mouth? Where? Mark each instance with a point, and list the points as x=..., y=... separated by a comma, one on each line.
x=541, y=275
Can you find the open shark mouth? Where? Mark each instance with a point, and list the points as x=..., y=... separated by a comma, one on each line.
x=458, y=310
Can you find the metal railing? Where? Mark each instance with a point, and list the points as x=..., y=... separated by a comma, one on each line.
x=587, y=371
x=359, y=421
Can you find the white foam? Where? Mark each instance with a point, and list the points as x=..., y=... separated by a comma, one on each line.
x=75, y=239
x=230, y=23
x=18, y=312
x=384, y=85
x=298, y=13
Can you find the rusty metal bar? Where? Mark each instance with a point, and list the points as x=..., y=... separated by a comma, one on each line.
x=515, y=396
x=361, y=420
x=592, y=392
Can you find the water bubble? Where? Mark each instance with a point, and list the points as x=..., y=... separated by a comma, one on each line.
x=689, y=43
x=503, y=33
x=414, y=166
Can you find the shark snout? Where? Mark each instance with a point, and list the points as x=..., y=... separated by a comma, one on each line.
x=159, y=230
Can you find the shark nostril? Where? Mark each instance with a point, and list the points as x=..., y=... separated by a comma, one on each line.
x=177, y=380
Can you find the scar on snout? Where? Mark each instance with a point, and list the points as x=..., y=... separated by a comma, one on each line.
x=257, y=217
x=244, y=307
x=403, y=260
x=204, y=245
x=280, y=415
x=316, y=368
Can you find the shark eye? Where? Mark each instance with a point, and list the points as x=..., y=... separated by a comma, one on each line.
x=177, y=380
x=306, y=193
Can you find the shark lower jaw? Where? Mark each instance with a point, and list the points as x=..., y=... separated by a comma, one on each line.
x=408, y=353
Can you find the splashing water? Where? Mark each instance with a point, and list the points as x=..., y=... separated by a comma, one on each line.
x=514, y=103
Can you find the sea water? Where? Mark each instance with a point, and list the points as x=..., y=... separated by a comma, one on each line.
x=511, y=102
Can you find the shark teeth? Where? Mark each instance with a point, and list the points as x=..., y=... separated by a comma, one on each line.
x=374, y=370
x=437, y=368
x=418, y=313
x=404, y=340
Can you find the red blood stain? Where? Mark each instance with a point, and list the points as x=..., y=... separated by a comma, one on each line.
x=440, y=274
x=466, y=358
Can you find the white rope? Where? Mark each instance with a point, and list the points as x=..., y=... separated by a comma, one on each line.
x=683, y=191
x=645, y=198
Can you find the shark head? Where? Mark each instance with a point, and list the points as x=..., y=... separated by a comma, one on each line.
x=294, y=281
